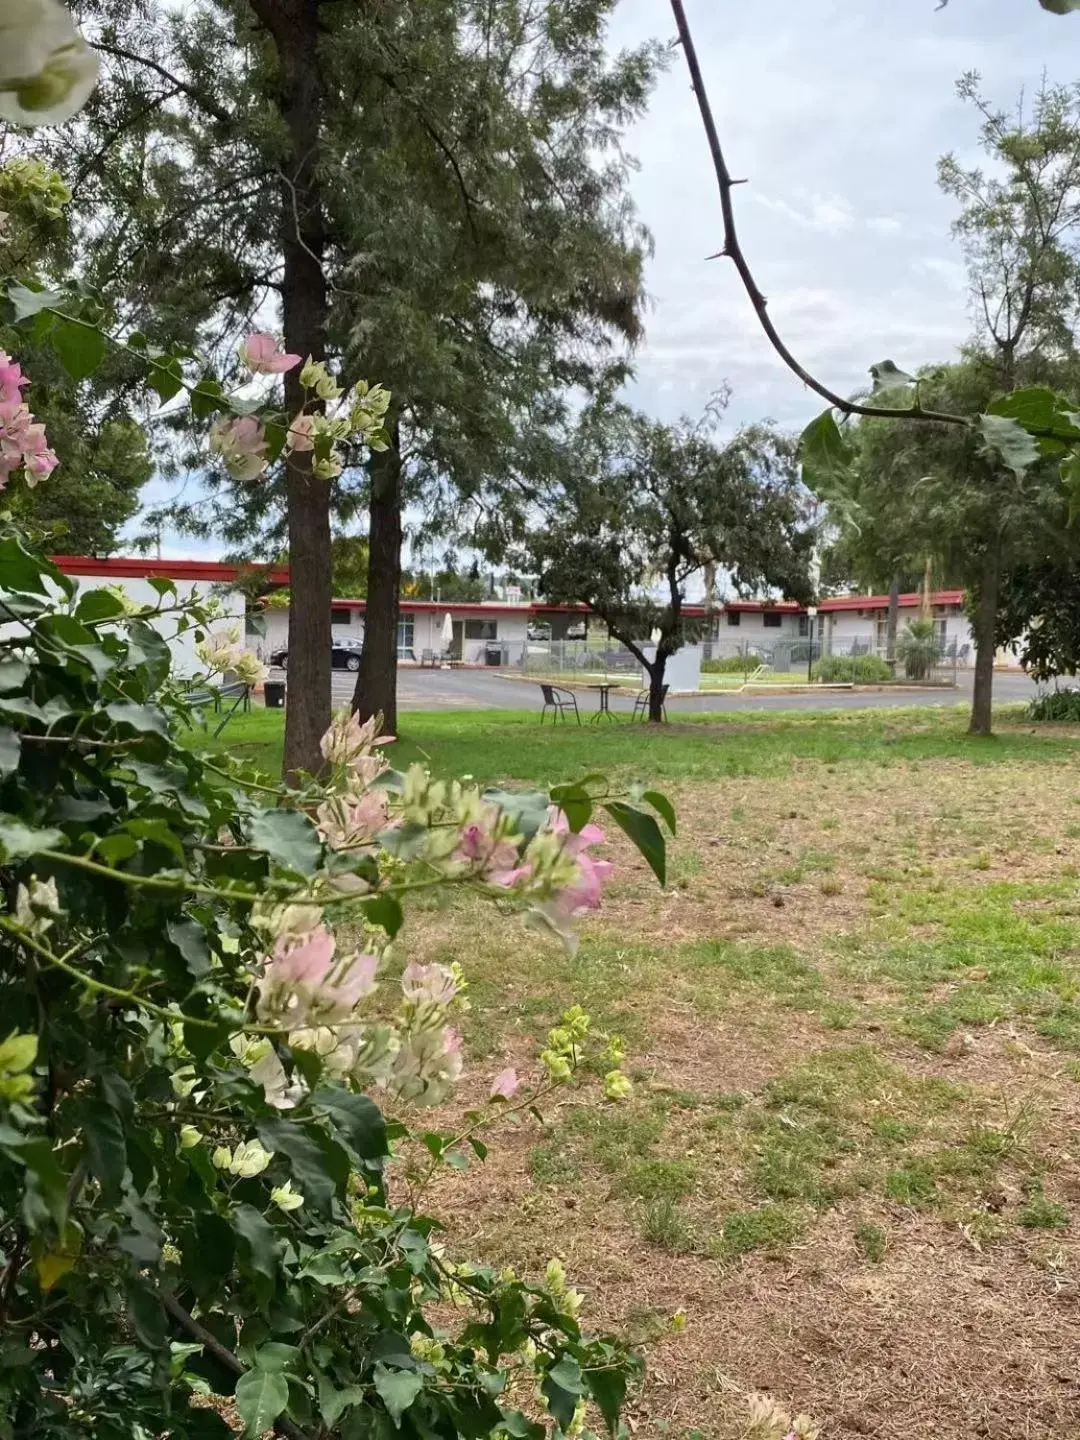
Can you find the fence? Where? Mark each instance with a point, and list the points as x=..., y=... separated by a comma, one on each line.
x=567, y=657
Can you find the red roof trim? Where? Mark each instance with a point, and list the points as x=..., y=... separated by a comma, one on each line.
x=123, y=567
x=473, y=607
x=881, y=602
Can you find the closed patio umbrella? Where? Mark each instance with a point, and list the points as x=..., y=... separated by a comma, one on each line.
x=447, y=632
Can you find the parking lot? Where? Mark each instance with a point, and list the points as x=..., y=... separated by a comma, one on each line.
x=488, y=690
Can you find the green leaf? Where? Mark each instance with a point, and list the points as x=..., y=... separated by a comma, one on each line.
x=261, y=1396
x=888, y=378
x=81, y=348
x=576, y=804
x=106, y=1146
x=308, y=1158
x=608, y=1389
x=166, y=376
x=13, y=675
x=562, y=1388
x=1007, y=439
x=289, y=838
x=333, y=1403
x=30, y=302
x=18, y=839
x=646, y=834
x=397, y=1389
x=258, y=1236
x=10, y=750
x=826, y=457
x=275, y=1356
x=663, y=807
x=147, y=1316
x=146, y=719
x=208, y=1249
x=1060, y=7
x=386, y=912
x=189, y=937
x=358, y=1120
x=95, y=605
x=520, y=1427
x=23, y=571
x=1070, y=479
x=1041, y=410
x=207, y=399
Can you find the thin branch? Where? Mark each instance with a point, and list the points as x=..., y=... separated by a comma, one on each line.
x=733, y=251
x=224, y=1356
x=192, y=91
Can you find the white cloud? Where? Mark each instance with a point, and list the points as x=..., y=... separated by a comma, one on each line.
x=830, y=214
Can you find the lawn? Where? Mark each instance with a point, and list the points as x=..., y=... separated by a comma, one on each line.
x=852, y=1156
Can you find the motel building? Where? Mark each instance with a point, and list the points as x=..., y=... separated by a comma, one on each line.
x=497, y=631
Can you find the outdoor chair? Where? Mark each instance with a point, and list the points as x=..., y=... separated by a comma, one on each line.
x=641, y=704
x=560, y=703
x=427, y=658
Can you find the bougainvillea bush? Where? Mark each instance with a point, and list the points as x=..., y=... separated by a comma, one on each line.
x=207, y=1012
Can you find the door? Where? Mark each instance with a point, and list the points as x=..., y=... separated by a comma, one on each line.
x=456, y=643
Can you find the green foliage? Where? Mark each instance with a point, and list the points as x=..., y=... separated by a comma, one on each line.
x=1061, y=706
x=664, y=1224
x=134, y=1194
x=852, y=670
x=917, y=648
x=730, y=665
x=633, y=502
x=1039, y=1213
x=872, y=1242
x=768, y=1228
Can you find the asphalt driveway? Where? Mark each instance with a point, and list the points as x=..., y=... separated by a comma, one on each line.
x=487, y=690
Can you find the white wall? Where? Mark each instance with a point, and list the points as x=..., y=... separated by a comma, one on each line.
x=233, y=605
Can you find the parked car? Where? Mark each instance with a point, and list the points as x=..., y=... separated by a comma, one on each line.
x=344, y=655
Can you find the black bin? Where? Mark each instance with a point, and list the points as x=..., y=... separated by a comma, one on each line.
x=493, y=655
x=274, y=694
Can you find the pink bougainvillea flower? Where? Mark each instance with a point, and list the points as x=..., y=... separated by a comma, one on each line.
x=12, y=380
x=505, y=1085
x=241, y=443
x=586, y=892
x=428, y=984
x=301, y=434
x=262, y=355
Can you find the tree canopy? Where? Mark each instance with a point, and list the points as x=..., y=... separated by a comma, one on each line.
x=644, y=510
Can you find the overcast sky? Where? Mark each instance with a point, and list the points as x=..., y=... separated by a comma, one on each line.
x=836, y=112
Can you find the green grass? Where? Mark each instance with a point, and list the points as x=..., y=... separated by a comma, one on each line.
x=495, y=745
x=769, y=1228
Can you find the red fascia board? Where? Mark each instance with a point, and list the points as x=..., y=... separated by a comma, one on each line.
x=122, y=567
x=881, y=602
x=470, y=607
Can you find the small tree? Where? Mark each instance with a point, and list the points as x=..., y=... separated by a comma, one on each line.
x=645, y=509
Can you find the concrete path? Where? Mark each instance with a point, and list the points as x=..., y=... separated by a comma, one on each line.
x=486, y=690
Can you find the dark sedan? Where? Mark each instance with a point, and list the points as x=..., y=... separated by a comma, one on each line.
x=344, y=655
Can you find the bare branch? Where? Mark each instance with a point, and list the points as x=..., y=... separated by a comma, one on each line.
x=732, y=250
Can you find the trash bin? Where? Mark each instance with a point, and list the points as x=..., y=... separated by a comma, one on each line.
x=274, y=694
x=493, y=655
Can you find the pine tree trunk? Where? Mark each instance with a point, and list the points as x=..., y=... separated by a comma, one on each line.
x=892, y=618
x=376, y=684
x=985, y=625
x=656, y=688
x=294, y=27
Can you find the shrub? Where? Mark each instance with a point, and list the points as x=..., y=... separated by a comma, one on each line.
x=1062, y=706
x=193, y=1197
x=917, y=649
x=852, y=670
x=731, y=664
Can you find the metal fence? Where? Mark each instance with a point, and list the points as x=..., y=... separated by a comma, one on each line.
x=566, y=657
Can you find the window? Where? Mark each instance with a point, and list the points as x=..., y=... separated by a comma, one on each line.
x=340, y=615
x=481, y=630
x=405, y=631
x=941, y=634
x=772, y=620
x=733, y=617
x=804, y=624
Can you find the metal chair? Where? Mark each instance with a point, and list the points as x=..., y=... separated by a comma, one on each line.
x=641, y=704
x=558, y=702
